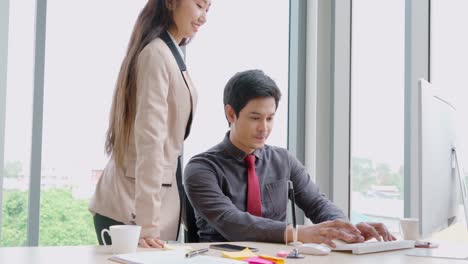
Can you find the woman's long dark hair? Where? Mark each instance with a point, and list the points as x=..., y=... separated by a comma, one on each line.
x=154, y=19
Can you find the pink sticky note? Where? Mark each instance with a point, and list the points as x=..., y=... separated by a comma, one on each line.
x=257, y=260
x=282, y=254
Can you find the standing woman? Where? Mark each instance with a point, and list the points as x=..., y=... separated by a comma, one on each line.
x=151, y=114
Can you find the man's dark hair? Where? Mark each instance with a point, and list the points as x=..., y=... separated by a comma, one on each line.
x=247, y=85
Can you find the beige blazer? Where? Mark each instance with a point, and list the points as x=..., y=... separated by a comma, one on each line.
x=147, y=187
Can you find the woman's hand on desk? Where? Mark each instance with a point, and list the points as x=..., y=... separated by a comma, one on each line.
x=151, y=243
x=327, y=231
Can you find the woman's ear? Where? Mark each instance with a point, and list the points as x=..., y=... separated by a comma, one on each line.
x=170, y=4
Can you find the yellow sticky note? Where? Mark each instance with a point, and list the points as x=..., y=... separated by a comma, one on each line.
x=239, y=255
x=274, y=259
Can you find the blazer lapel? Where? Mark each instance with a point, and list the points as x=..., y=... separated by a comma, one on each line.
x=188, y=82
x=193, y=91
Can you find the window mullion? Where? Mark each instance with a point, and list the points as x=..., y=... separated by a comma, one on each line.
x=37, y=124
x=4, y=19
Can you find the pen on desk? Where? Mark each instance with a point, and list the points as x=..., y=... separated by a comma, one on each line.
x=293, y=204
x=196, y=252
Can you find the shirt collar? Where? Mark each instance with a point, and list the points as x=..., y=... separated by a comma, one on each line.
x=176, y=44
x=235, y=152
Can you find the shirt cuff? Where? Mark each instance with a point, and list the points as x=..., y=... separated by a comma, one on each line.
x=276, y=234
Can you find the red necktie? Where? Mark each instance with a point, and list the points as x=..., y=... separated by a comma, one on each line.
x=254, y=202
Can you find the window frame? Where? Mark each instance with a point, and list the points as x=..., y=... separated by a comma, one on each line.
x=332, y=91
x=417, y=65
x=297, y=86
x=332, y=112
x=37, y=124
x=4, y=26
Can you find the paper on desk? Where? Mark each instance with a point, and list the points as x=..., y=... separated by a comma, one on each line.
x=239, y=255
x=176, y=256
x=149, y=257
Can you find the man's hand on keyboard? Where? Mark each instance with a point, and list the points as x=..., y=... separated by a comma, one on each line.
x=375, y=230
x=327, y=231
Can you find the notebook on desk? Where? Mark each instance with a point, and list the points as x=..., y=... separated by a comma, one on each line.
x=372, y=246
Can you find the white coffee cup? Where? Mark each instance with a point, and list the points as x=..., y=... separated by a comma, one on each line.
x=124, y=238
x=409, y=228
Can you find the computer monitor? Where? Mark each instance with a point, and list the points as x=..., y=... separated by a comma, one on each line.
x=438, y=188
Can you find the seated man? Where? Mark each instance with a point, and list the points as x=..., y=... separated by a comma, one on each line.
x=239, y=188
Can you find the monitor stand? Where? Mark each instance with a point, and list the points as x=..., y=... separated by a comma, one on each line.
x=461, y=181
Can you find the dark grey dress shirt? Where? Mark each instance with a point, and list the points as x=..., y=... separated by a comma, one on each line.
x=216, y=185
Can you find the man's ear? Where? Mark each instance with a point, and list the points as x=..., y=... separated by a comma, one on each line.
x=230, y=113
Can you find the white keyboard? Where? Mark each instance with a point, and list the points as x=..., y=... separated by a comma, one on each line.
x=373, y=246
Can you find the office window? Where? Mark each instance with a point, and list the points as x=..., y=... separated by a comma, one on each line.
x=377, y=111
x=234, y=39
x=18, y=119
x=449, y=59
x=85, y=44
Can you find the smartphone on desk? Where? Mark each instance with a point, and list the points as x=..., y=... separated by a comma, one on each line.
x=425, y=244
x=231, y=247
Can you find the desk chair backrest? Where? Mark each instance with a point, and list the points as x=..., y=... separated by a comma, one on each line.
x=191, y=228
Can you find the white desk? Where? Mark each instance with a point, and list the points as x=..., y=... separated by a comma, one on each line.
x=100, y=254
